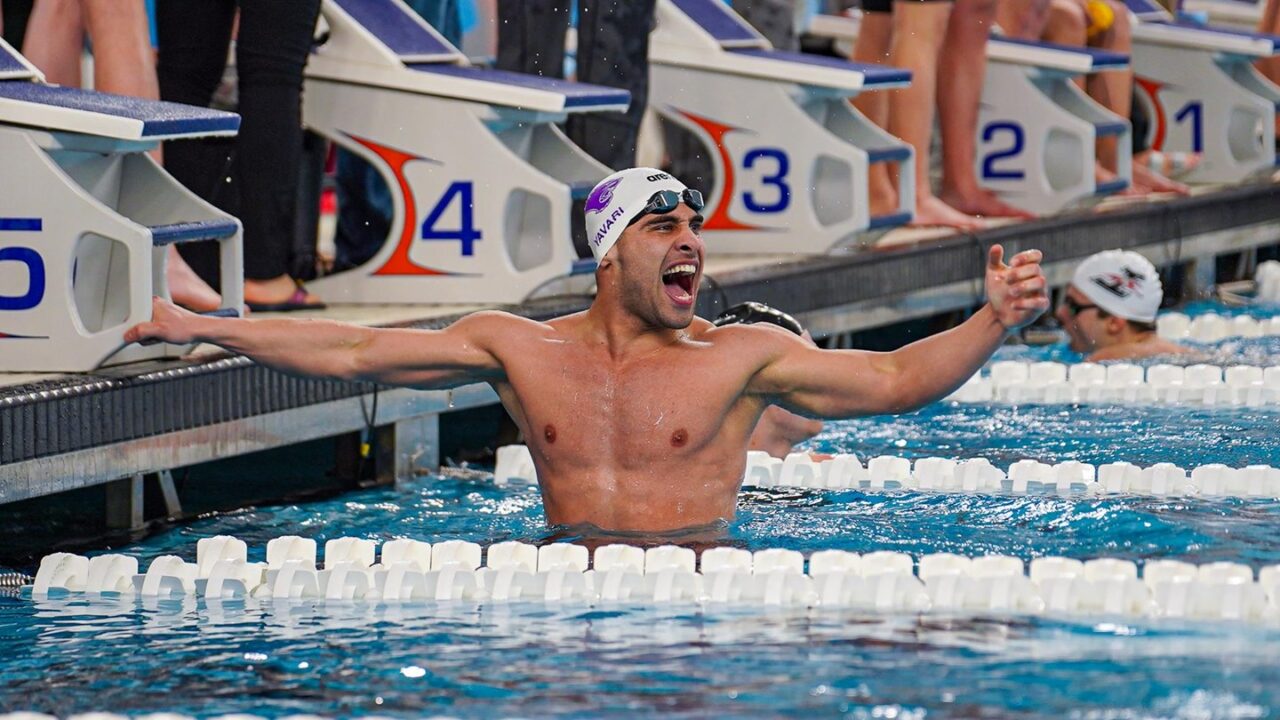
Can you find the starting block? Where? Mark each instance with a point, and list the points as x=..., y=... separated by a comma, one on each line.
x=1205, y=95
x=1037, y=130
x=481, y=179
x=790, y=154
x=86, y=218
x=1237, y=14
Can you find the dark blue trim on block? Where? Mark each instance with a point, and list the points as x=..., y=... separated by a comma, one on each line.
x=395, y=28
x=1144, y=7
x=1101, y=58
x=872, y=75
x=889, y=154
x=583, y=266
x=221, y=312
x=192, y=231
x=576, y=95
x=1111, y=186
x=717, y=19
x=580, y=190
x=21, y=224
x=158, y=118
x=890, y=220
x=1233, y=32
x=1110, y=128
x=10, y=63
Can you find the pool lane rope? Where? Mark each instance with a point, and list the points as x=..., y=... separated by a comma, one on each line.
x=1211, y=327
x=1020, y=383
x=412, y=571
x=977, y=475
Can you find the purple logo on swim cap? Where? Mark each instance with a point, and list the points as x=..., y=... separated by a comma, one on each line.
x=600, y=198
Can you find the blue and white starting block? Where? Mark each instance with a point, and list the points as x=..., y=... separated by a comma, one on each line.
x=790, y=154
x=1236, y=14
x=1037, y=130
x=482, y=181
x=1205, y=95
x=86, y=218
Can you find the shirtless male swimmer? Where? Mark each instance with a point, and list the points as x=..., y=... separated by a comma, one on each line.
x=637, y=416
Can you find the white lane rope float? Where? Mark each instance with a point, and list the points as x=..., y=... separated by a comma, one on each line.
x=1020, y=383
x=977, y=475
x=412, y=571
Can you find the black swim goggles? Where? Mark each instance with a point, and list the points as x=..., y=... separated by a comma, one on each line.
x=1075, y=307
x=665, y=201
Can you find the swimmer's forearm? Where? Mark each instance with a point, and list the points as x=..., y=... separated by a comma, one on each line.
x=319, y=348
x=932, y=368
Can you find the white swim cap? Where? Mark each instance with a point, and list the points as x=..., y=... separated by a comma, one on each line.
x=1121, y=282
x=617, y=199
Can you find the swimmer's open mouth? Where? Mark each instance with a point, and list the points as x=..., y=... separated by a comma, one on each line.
x=678, y=281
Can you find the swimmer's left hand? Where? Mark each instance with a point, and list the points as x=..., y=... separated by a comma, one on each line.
x=1018, y=292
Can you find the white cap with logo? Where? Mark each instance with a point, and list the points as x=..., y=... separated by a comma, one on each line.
x=1121, y=282
x=617, y=199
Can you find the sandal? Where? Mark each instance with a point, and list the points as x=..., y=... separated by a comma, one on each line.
x=296, y=301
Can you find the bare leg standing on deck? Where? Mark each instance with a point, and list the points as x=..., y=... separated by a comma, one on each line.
x=919, y=29
x=958, y=100
x=123, y=63
x=875, y=37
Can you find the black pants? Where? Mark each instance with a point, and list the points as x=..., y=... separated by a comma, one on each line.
x=271, y=50
x=613, y=50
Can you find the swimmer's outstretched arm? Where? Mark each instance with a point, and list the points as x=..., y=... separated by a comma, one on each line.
x=848, y=383
x=322, y=348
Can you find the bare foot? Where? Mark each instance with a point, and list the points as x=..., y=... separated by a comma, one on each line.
x=1134, y=189
x=282, y=290
x=932, y=212
x=1146, y=177
x=985, y=203
x=186, y=288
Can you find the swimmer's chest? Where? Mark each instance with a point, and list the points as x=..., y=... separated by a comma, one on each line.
x=670, y=403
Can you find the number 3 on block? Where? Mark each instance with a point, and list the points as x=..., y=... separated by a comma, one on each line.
x=466, y=233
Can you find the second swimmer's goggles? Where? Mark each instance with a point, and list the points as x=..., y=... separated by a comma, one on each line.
x=665, y=201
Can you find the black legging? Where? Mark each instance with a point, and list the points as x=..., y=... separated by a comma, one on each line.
x=271, y=50
x=613, y=50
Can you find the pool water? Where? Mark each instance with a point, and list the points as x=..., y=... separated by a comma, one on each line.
x=531, y=660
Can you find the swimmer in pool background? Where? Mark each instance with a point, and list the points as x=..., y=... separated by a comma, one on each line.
x=779, y=430
x=637, y=417
x=1109, y=309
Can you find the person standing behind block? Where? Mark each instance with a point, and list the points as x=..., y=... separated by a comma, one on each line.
x=613, y=50
x=908, y=34
x=272, y=42
x=124, y=64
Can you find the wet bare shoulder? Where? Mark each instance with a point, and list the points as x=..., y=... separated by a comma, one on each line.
x=497, y=330
x=502, y=321
x=760, y=340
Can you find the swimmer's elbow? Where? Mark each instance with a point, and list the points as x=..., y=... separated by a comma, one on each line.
x=897, y=394
x=356, y=361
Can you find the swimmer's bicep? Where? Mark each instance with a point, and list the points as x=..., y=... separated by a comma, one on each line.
x=829, y=384
x=430, y=359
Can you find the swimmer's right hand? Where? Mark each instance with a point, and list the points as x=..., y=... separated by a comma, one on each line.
x=169, y=323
